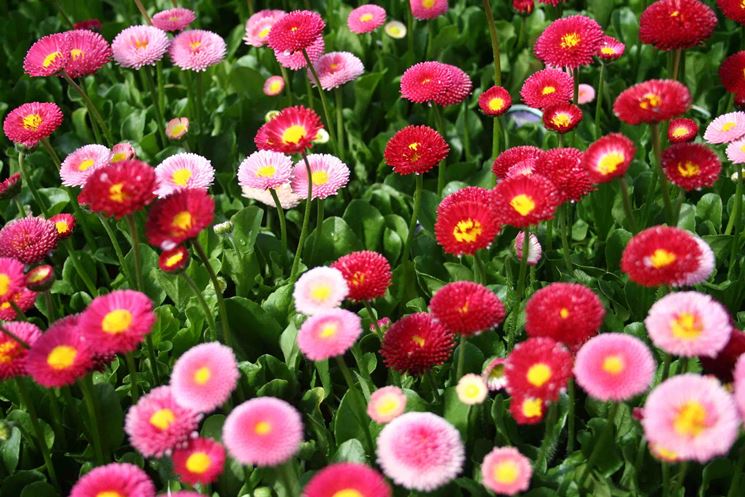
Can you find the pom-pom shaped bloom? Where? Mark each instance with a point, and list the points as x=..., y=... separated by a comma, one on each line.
x=174, y=19
x=733, y=9
x=682, y=130
x=31, y=122
x=562, y=118
x=652, y=101
x=328, y=174
x=183, y=171
x=692, y=417
x=60, y=356
x=526, y=200
x=428, y=9
x=291, y=131
x=608, y=157
x=117, y=322
x=116, y=479
x=320, y=289
x=296, y=60
x=287, y=198
x=566, y=312
x=13, y=354
x=661, y=255
x=586, y=94
x=467, y=221
x=79, y=165
x=506, y=471
x=29, y=239
x=295, y=31
x=538, y=367
x=10, y=186
x=179, y=217
x=689, y=324
x=347, y=479
x=11, y=277
x=386, y=404
x=177, y=128
x=119, y=189
x=47, y=56
x=611, y=48
x=122, y=152
x=614, y=366
x=415, y=150
x=467, y=308
x=264, y=431
x=676, y=24
x=368, y=274
x=335, y=69
x=200, y=462
x=265, y=169
x=273, y=86
x=569, y=42
x=197, y=49
x=366, y=18
x=732, y=73
x=436, y=82
x=174, y=260
x=495, y=101
x=395, y=29
x=139, y=46
x=329, y=333
x=88, y=50
x=471, y=389
x=260, y=25
x=726, y=128
x=420, y=451
x=534, y=248
x=513, y=156
x=40, y=278
x=547, y=87
x=204, y=377
x=691, y=166
x=493, y=374
x=24, y=299
x=527, y=410
x=416, y=343
x=736, y=152
x=706, y=263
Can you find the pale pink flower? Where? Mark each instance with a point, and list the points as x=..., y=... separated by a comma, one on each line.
x=139, y=46
x=335, y=69
x=80, y=164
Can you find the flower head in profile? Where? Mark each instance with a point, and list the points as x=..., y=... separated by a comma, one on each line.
x=60, y=356
x=177, y=128
x=526, y=200
x=13, y=354
x=506, y=471
x=200, y=462
x=428, y=9
x=495, y=101
x=28, y=239
x=416, y=343
x=265, y=170
x=10, y=186
x=726, y=128
x=273, y=86
x=538, y=367
x=467, y=308
x=320, y=289
x=493, y=374
x=174, y=19
x=608, y=157
x=682, y=130
x=121, y=152
x=291, y=131
x=32, y=122
x=661, y=255
x=80, y=164
x=534, y=248
x=386, y=404
x=47, y=56
x=467, y=221
x=296, y=60
x=652, y=102
x=183, y=171
x=676, y=24
x=569, y=42
x=117, y=322
x=513, y=156
x=611, y=48
x=119, y=189
x=138, y=46
x=691, y=166
x=471, y=389
x=88, y=52
x=395, y=29
x=335, y=69
x=432, y=81
x=197, y=49
x=328, y=334
x=368, y=274
x=547, y=87
x=180, y=216
x=328, y=175
x=40, y=278
x=204, y=377
x=732, y=73
x=366, y=18
x=296, y=31
x=259, y=25
x=562, y=118
x=174, y=260
x=120, y=479
x=415, y=149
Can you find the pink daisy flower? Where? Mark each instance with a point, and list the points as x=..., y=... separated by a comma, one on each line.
x=328, y=175
x=329, y=334
x=200, y=462
x=79, y=165
x=121, y=152
x=706, y=264
x=335, y=69
x=586, y=94
x=570, y=41
x=320, y=289
x=157, y=424
x=89, y=52
x=117, y=322
x=24, y=299
x=366, y=18
x=265, y=169
x=177, y=128
x=739, y=376
x=726, y=128
x=287, y=198
x=534, y=248
x=259, y=25
x=174, y=19
x=386, y=404
x=273, y=86
x=114, y=480
x=139, y=46
x=347, y=479
x=428, y=9
x=689, y=324
x=28, y=239
x=296, y=60
x=47, y=56
x=204, y=377
x=264, y=431
x=11, y=277
x=60, y=355
x=197, y=49
x=691, y=417
x=32, y=122
x=614, y=366
x=420, y=451
x=183, y=171
x=547, y=87
x=736, y=151
x=12, y=354
x=506, y=471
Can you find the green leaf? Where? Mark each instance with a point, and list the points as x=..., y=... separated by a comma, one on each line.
x=10, y=449
x=709, y=207
x=251, y=327
x=366, y=221
x=39, y=489
x=456, y=412
x=336, y=239
x=110, y=415
x=350, y=451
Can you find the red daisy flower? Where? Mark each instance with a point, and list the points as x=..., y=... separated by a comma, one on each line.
x=732, y=73
x=512, y=156
x=733, y=9
x=40, y=278
x=179, y=217
x=525, y=200
x=92, y=24
x=524, y=7
x=527, y=410
x=723, y=365
x=466, y=221
x=60, y=355
x=10, y=186
x=660, y=255
x=28, y=124
x=368, y=274
x=436, y=82
x=416, y=343
x=119, y=189
x=291, y=131
x=611, y=48
x=538, y=367
x=673, y=24
x=565, y=312
x=547, y=87
x=564, y=168
x=296, y=31
x=174, y=260
x=608, y=157
x=89, y=52
x=415, y=150
x=467, y=308
x=200, y=462
x=569, y=42
x=29, y=239
x=495, y=101
x=682, y=130
x=691, y=166
x=64, y=224
x=652, y=101
x=562, y=118
x=12, y=354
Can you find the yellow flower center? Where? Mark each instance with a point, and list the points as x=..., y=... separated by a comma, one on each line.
x=62, y=357
x=607, y=51
x=141, y=43
x=428, y=4
x=539, y=374
x=564, y=313
x=178, y=130
x=418, y=340
x=728, y=125
x=366, y=17
x=688, y=169
x=320, y=292
x=532, y=408
x=609, y=162
x=548, y=90
x=471, y=391
x=650, y=100
x=387, y=406
x=613, y=364
x=358, y=278
x=468, y=230
x=523, y=204
x=680, y=131
x=116, y=321
x=162, y=418
x=665, y=454
x=328, y=330
x=675, y=13
x=319, y=177
x=198, y=462
x=181, y=176
x=294, y=134
x=661, y=258
x=194, y=45
x=348, y=492
x=118, y=157
x=202, y=375
x=109, y=493
x=4, y=284
x=686, y=326
x=116, y=193
x=174, y=259
x=6, y=351
x=262, y=428
x=76, y=53
x=275, y=86
x=561, y=120
x=690, y=421
x=85, y=165
x=49, y=59
x=393, y=30
x=62, y=226
x=570, y=40
x=496, y=104
x=264, y=32
x=182, y=220
x=267, y=171
x=32, y=122
x=506, y=472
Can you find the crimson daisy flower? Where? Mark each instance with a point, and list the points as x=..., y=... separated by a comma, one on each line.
x=89, y=52
x=525, y=200
x=513, y=156
x=495, y=101
x=436, y=82
x=174, y=260
x=291, y=131
x=367, y=273
x=562, y=118
x=119, y=189
x=608, y=157
x=10, y=186
x=467, y=308
x=652, y=101
x=610, y=49
x=467, y=221
x=179, y=217
x=11, y=277
x=538, y=367
x=564, y=168
x=415, y=150
x=569, y=42
x=566, y=312
x=296, y=31
x=459, y=88
x=32, y=122
x=691, y=166
x=682, y=130
x=732, y=73
x=527, y=410
x=661, y=255
x=673, y=24
x=24, y=299
x=29, y=239
x=64, y=223
x=723, y=364
x=733, y=9
x=416, y=343
x=547, y=87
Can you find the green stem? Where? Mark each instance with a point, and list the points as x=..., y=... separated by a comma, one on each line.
x=734, y=487
x=494, y=41
x=200, y=298
x=479, y=270
x=374, y=320
x=627, y=204
x=218, y=293
x=599, y=99
x=14, y=337
x=52, y=154
x=576, y=86
x=565, y=228
x=155, y=97
x=19, y=206
x=496, y=132
x=161, y=90
x=129, y=358
x=657, y=146
x=430, y=377
x=600, y=445
x=288, y=90
x=737, y=216
x=64, y=15
x=360, y=409
x=737, y=210
x=86, y=386
x=282, y=222
x=440, y=124
x=542, y=456
x=116, y=245
x=680, y=481
x=139, y=283
x=570, y=417
x=677, y=56
x=339, y=122
x=27, y=180
x=306, y=221
x=520, y=288
x=92, y=110
x=431, y=28
x=38, y=432
x=665, y=479
x=142, y=10
x=319, y=228
x=79, y=267
x=324, y=104
x=288, y=476
x=20, y=315
x=461, y=358
x=49, y=303
x=414, y=215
